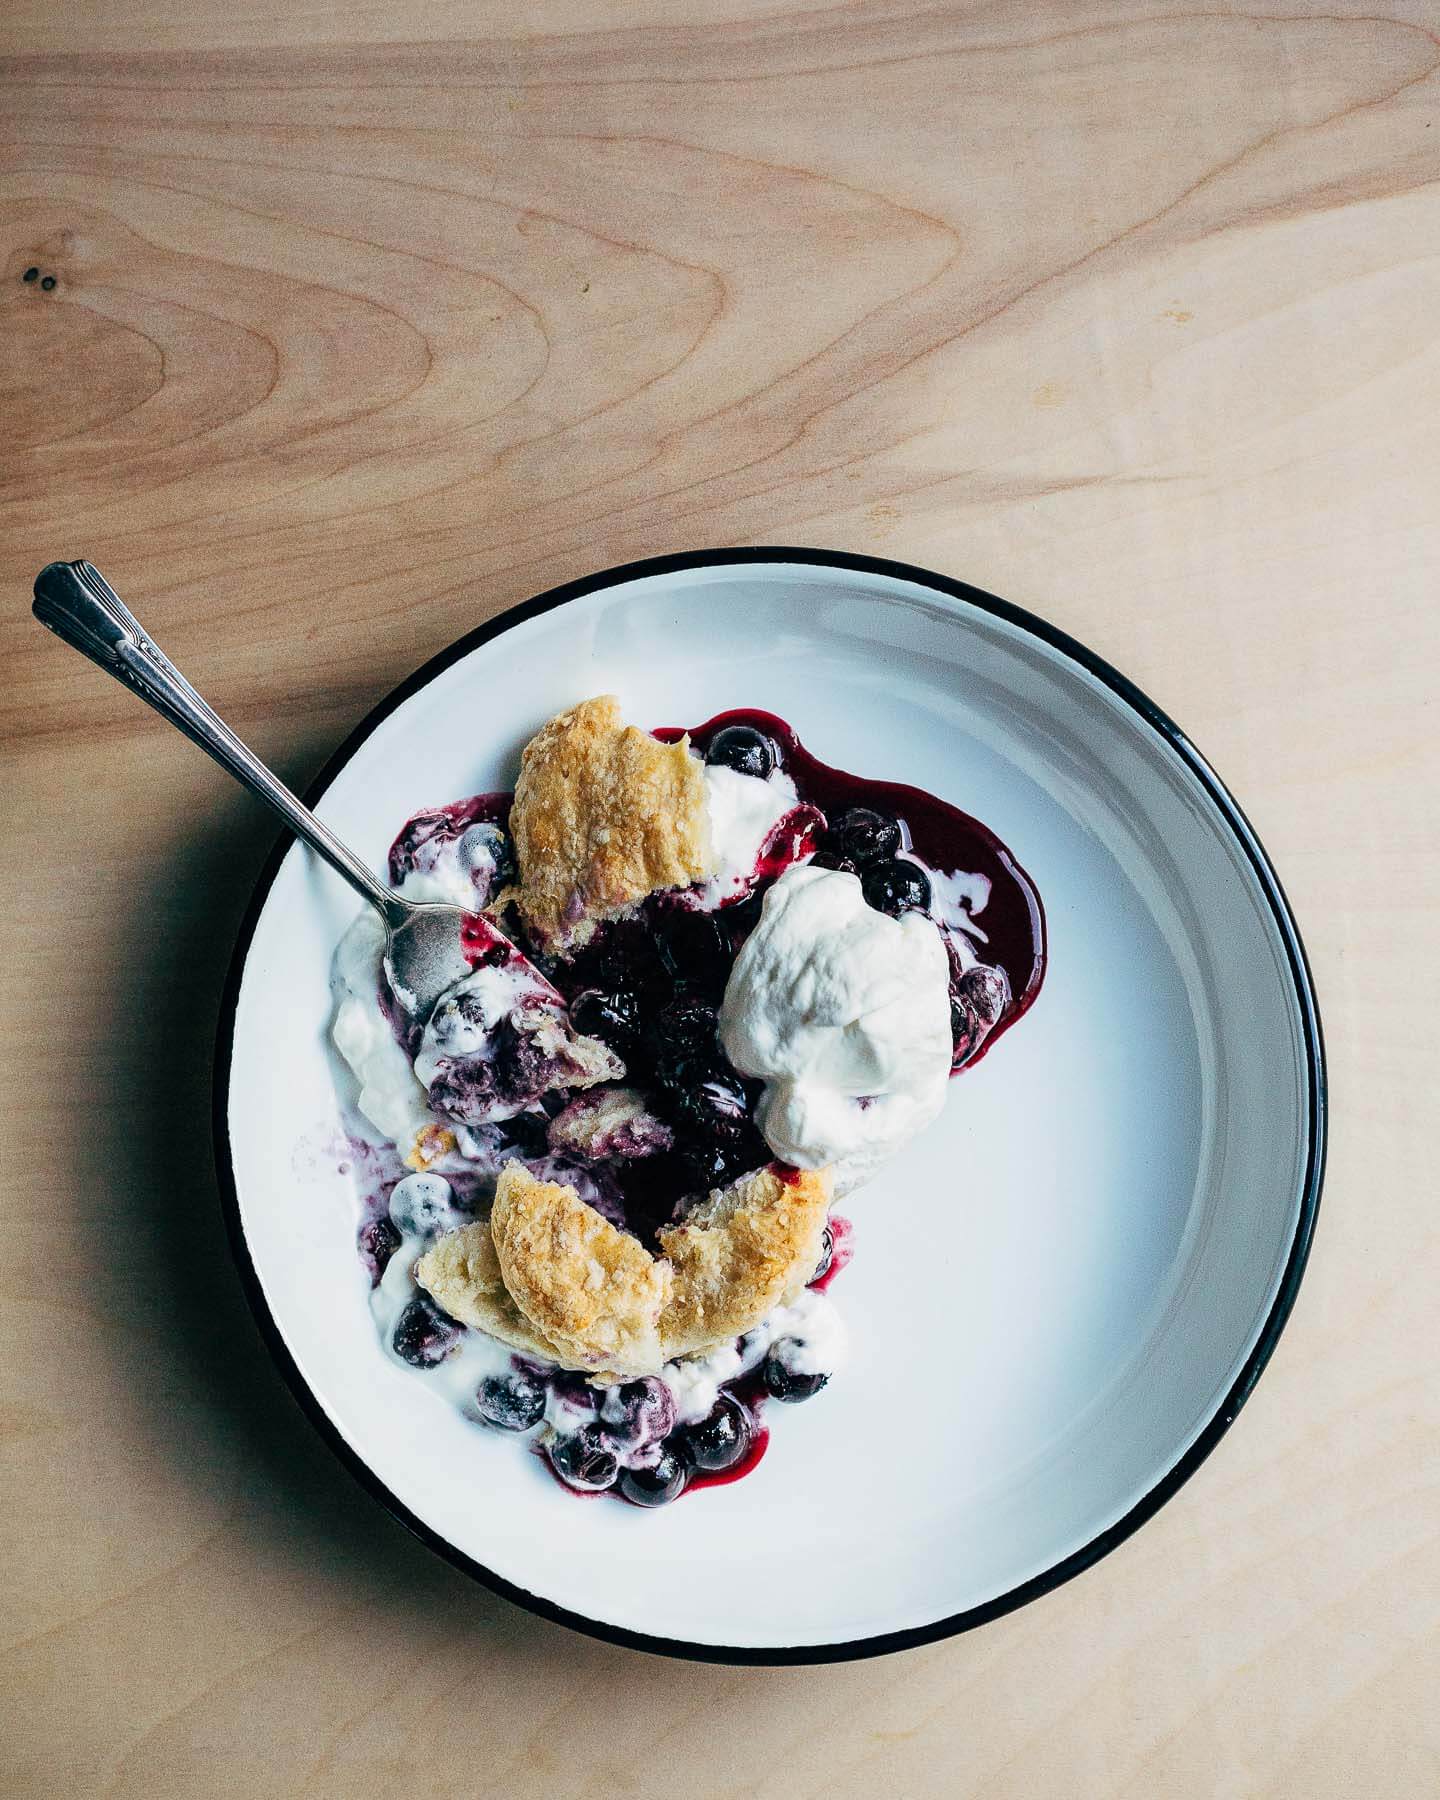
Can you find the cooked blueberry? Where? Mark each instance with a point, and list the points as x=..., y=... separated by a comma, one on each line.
x=638, y=1413
x=864, y=836
x=424, y=1335
x=574, y=1391
x=378, y=1240
x=896, y=887
x=712, y=1163
x=421, y=1205
x=622, y=955
x=582, y=1459
x=721, y=1441
x=827, y=1256
x=713, y=1105
x=784, y=1383
x=988, y=991
x=694, y=949
x=512, y=1402
x=832, y=859
x=412, y=847
x=682, y=1035
x=612, y=1017
x=741, y=919
x=742, y=747
x=965, y=1029
x=486, y=853
x=657, y=1485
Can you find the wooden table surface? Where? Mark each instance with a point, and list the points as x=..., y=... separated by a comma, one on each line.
x=351, y=326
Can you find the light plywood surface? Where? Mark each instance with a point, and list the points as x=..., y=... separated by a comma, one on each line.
x=369, y=322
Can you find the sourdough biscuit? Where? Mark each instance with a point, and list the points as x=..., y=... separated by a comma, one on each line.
x=586, y=1287
x=603, y=815
x=461, y=1272
x=741, y=1253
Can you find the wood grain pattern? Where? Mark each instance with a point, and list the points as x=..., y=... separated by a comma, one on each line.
x=368, y=322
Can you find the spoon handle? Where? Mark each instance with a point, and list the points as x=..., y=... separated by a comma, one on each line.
x=75, y=601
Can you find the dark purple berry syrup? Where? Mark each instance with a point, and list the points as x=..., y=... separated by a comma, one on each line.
x=426, y=831
x=651, y=986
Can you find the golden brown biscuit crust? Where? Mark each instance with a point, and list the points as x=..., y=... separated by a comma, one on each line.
x=548, y=1275
x=462, y=1273
x=740, y=1254
x=603, y=815
x=431, y=1143
x=591, y=1290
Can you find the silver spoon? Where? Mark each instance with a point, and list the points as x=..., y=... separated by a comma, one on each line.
x=423, y=950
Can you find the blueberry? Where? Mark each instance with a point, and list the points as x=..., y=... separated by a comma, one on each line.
x=832, y=859
x=827, y=1256
x=422, y=1205
x=988, y=991
x=721, y=1441
x=638, y=1413
x=378, y=1241
x=622, y=954
x=741, y=918
x=612, y=1017
x=582, y=1459
x=713, y=1105
x=965, y=1029
x=512, y=1402
x=694, y=949
x=574, y=1389
x=485, y=852
x=424, y=1335
x=785, y=1383
x=743, y=748
x=573, y=1401
x=408, y=850
x=710, y=1164
x=864, y=836
x=657, y=1485
x=896, y=887
x=682, y=1035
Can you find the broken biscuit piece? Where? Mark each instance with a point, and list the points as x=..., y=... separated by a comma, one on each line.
x=740, y=1253
x=603, y=815
x=461, y=1273
x=588, y=1288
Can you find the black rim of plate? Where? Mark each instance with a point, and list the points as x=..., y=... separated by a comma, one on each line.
x=1224, y=1415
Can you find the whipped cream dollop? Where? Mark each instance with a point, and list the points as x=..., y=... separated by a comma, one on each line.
x=844, y=1014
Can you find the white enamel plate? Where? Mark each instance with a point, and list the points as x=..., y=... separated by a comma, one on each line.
x=1061, y=1292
